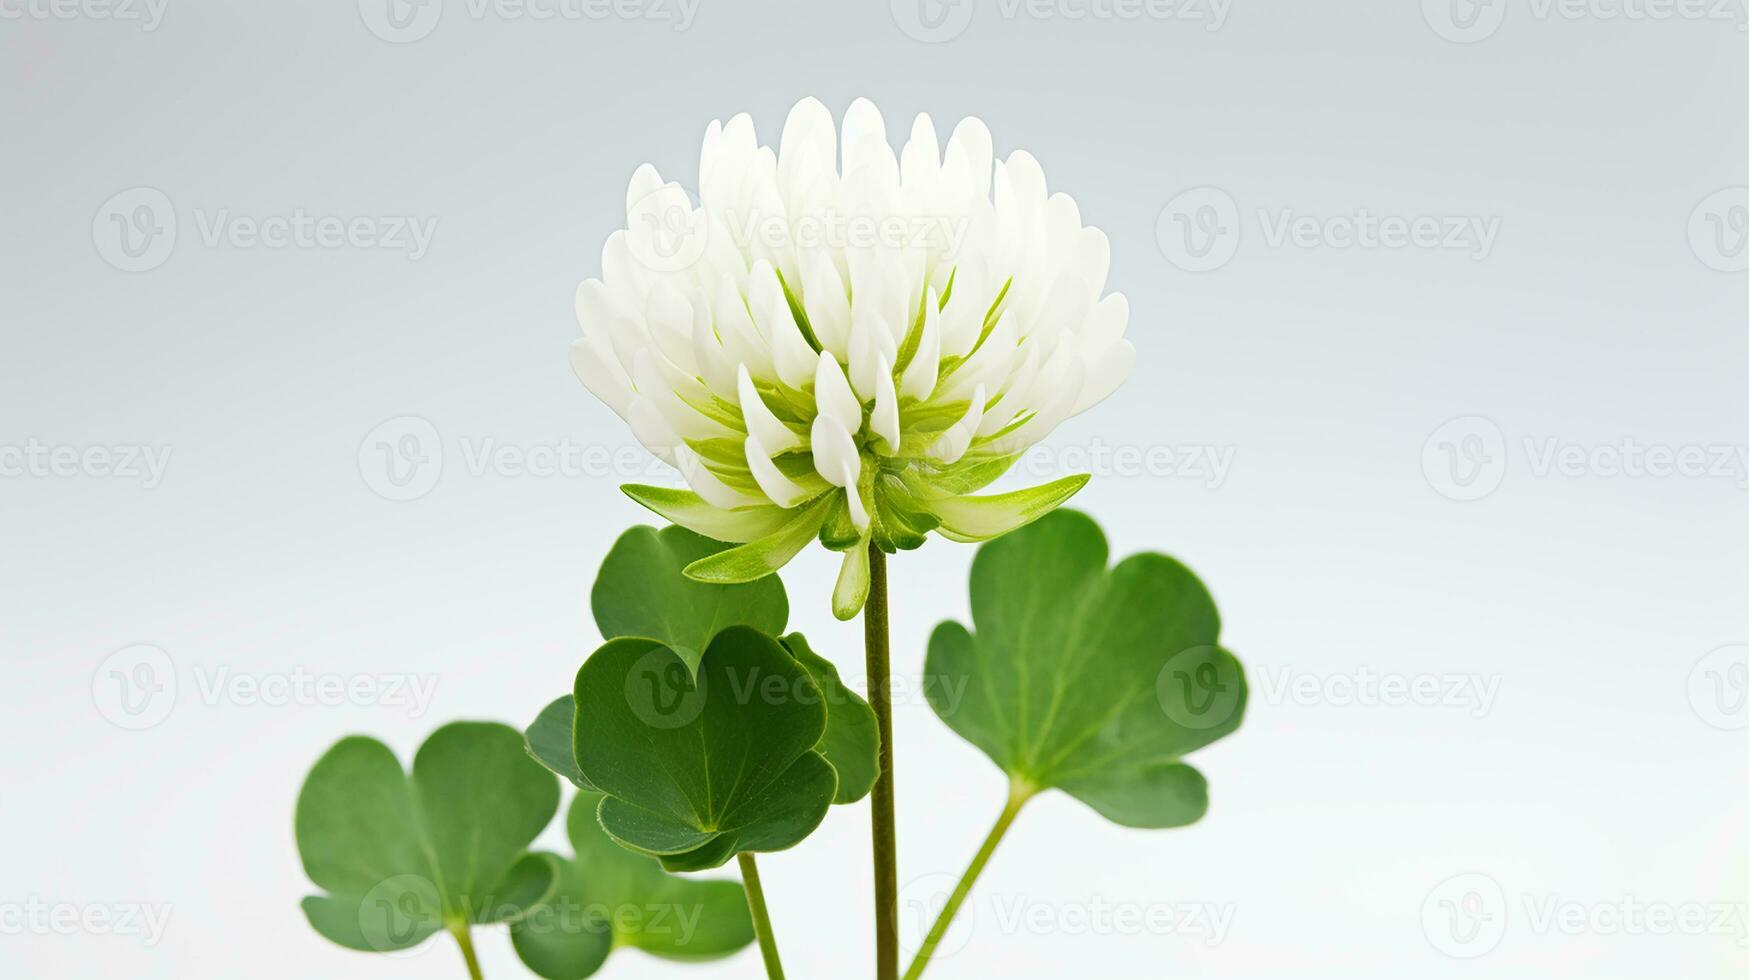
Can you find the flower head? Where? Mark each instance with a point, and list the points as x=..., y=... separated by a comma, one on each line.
x=838, y=341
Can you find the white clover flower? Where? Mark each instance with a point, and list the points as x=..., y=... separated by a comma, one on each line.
x=841, y=342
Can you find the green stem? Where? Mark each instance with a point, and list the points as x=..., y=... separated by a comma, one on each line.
x=466, y=941
x=886, y=852
x=1019, y=792
x=761, y=917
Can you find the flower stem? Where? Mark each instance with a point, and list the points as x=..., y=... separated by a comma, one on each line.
x=761, y=917
x=1018, y=793
x=886, y=854
x=466, y=941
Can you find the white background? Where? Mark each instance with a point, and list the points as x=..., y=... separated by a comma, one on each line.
x=1607, y=769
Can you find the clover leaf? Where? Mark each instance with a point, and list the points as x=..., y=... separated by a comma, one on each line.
x=401, y=857
x=698, y=766
x=851, y=742
x=640, y=591
x=550, y=742
x=1093, y=680
x=608, y=897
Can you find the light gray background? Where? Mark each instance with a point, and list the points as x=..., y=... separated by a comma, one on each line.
x=1608, y=767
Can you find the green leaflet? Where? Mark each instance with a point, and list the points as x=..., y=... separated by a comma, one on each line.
x=698, y=767
x=549, y=741
x=608, y=897
x=757, y=559
x=851, y=742
x=690, y=511
x=401, y=857
x=968, y=519
x=640, y=591
x=1091, y=680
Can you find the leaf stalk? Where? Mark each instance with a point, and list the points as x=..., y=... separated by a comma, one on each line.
x=761, y=917
x=886, y=855
x=1019, y=792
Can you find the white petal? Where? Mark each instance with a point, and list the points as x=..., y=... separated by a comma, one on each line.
x=871, y=345
x=836, y=460
x=809, y=142
x=1091, y=260
x=921, y=373
x=706, y=484
x=953, y=443
x=772, y=433
x=867, y=156
x=782, y=490
x=835, y=456
x=600, y=371
x=645, y=181
x=662, y=386
x=652, y=429
x=742, y=340
x=971, y=141
x=920, y=161
x=1105, y=374
x=833, y=396
x=715, y=364
x=828, y=305
x=790, y=353
x=1105, y=325
x=884, y=420
x=669, y=317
